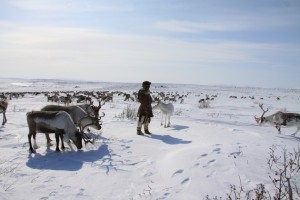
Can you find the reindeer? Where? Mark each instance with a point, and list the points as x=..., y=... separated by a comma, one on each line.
x=47, y=122
x=166, y=110
x=53, y=98
x=279, y=119
x=65, y=99
x=3, y=107
x=81, y=118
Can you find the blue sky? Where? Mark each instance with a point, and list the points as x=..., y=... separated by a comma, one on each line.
x=207, y=42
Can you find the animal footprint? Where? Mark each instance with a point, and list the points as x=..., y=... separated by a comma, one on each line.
x=217, y=150
x=185, y=182
x=50, y=179
x=65, y=187
x=81, y=192
x=126, y=141
x=196, y=164
x=202, y=155
x=148, y=174
x=52, y=194
x=211, y=174
x=180, y=171
x=125, y=147
x=210, y=163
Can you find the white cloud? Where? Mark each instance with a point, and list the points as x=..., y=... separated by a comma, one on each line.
x=67, y=5
x=118, y=50
x=96, y=47
x=233, y=22
x=192, y=27
x=51, y=51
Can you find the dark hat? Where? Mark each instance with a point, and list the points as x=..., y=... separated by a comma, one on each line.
x=146, y=83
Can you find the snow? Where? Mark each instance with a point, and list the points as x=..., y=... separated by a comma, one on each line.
x=203, y=152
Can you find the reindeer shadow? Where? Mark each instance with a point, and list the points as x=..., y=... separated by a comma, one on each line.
x=66, y=161
x=290, y=137
x=2, y=127
x=169, y=139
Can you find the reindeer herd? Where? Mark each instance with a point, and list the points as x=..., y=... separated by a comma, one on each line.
x=68, y=122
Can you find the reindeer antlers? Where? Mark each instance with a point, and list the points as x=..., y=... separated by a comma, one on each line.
x=259, y=119
x=264, y=111
x=100, y=105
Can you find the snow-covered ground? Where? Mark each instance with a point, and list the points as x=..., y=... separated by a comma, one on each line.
x=203, y=152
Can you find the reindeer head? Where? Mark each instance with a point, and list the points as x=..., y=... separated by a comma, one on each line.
x=97, y=108
x=261, y=120
x=95, y=122
x=77, y=139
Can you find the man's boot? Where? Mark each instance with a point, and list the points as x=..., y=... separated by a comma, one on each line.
x=139, y=132
x=147, y=132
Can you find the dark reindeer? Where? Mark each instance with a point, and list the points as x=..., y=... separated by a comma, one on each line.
x=279, y=119
x=3, y=107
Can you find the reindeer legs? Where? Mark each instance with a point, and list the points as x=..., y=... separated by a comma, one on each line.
x=169, y=121
x=277, y=126
x=4, y=118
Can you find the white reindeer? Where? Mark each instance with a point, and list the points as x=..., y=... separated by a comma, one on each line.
x=59, y=123
x=279, y=119
x=167, y=110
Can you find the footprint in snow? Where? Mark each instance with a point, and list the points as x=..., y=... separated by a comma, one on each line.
x=196, y=164
x=217, y=150
x=186, y=181
x=203, y=155
x=211, y=174
x=81, y=192
x=125, y=147
x=148, y=174
x=180, y=171
x=65, y=187
x=126, y=141
x=209, y=163
x=52, y=194
x=50, y=179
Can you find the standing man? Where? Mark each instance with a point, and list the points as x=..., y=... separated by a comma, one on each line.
x=145, y=110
